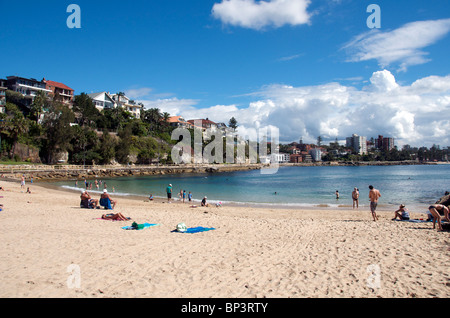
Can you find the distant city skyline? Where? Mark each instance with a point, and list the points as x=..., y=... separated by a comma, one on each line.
x=311, y=68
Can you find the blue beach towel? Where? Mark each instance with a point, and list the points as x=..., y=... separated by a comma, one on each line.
x=106, y=203
x=414, y=221
x=145, y=225
x=198, y=229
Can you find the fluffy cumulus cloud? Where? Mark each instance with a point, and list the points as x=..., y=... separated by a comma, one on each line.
x=403, y=46
x=415, y=114
x=260, y=14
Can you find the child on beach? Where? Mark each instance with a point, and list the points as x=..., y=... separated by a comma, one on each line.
x=190, y=196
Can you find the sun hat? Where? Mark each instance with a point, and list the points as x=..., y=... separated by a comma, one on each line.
x=104, y=190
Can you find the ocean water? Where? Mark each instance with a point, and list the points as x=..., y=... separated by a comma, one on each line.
x=415, y=186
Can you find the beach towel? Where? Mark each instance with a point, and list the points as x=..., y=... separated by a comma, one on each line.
x=197, y=229
x=414, y=221
x=138, y=227
x=105, y=202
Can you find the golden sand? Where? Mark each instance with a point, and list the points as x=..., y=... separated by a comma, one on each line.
x=52, y=248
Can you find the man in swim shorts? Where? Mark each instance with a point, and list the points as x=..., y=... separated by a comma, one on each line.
x=374, y=195
x=355, y=197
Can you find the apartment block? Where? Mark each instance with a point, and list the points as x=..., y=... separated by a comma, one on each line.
x=358, y=143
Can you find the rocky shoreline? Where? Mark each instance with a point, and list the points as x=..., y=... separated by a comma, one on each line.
x=48, y=173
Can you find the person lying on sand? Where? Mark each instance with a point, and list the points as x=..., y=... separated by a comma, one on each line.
x=115, y=217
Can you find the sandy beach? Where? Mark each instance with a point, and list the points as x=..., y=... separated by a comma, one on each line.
x=51, y=248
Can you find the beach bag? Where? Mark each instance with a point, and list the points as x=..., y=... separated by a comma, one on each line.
x=137, y=226
x=181, y=227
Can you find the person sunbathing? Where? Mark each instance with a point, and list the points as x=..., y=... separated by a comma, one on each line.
x=115, y=217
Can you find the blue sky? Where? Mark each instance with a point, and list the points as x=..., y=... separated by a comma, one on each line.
x=262, y=62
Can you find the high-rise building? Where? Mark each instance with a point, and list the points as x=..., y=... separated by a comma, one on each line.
x=358, y=143
x=384, y=143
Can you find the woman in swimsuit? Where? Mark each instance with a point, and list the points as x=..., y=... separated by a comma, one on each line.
x=115, y=217
x=435, y=211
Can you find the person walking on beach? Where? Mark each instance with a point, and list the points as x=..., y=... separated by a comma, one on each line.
x=169, y=192
x=355, y=197
x=190, y=196
x=374, y=195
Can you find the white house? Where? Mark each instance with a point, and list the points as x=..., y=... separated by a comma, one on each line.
x=128, y=105
x=279, y=157
x=103, y=100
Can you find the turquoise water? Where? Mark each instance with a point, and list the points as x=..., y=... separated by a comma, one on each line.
x=416, y=186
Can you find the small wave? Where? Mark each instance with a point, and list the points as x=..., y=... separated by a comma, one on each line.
x=97, y=191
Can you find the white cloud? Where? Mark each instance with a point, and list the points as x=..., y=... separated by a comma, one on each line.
x=260, y=14
x=173, y=106
x=403, y=46
x=415, y=114
x=138, y=92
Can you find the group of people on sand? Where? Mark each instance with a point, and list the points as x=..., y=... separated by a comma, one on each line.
x=436, y=213
x=88, y=202
x=182, y=194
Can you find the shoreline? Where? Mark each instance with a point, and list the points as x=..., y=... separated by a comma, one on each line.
x=385, y=207
x=251, y=253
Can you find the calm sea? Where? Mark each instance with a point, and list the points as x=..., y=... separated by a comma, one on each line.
x=416, y=186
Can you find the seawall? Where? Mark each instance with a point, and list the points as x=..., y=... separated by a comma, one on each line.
x=48, y=173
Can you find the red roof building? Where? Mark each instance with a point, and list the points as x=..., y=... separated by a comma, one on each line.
x=60, y=91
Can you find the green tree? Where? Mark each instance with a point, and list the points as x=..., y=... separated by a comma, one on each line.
x=58, y=132
x=13, y=125
x=319, y=141
x=233, y=123
x=39, y=104
x=153, y=118
x=124, y=145
x=85, y=110
x=107, y=148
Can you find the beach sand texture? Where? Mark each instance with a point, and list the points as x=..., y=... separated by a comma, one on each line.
x=253, y=252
